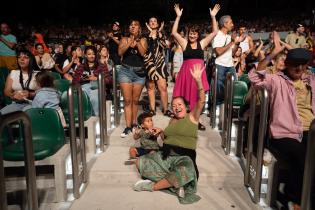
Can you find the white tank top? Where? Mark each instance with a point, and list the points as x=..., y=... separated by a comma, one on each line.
x=244, y=45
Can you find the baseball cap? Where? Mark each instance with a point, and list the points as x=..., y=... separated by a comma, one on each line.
x=116, y=23
x=298, y=56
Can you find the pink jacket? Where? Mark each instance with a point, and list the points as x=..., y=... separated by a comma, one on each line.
x=284, y=117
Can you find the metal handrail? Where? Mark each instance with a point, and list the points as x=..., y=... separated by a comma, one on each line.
x=309, y=173
x=253, y=170
x=79, y=173
x=214, y=99
x=227, y=90
x=115, y=98
x=230, y=89
x=102, y=110
x=29, y=160
x=225, y=108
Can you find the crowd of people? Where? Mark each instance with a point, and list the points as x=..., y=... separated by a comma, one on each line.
x=141, y=57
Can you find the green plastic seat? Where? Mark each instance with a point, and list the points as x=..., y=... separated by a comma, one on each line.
x=55, y=75
x=4, y=72
x=244, y=78
x=240, y=91
x=48, y=136
x=87, y=107
x=62, y=84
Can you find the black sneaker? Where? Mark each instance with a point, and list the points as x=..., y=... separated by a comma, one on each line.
x=126, y=132
x=201, y=127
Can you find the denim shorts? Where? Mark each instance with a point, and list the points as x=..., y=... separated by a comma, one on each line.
x=127, y=75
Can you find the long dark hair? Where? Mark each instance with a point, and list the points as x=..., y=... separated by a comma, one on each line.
x=85, y=61
x=32, y=66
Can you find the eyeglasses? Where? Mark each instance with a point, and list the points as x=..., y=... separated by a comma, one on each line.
x=296, y=41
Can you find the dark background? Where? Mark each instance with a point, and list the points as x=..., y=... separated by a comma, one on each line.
x=96, y=12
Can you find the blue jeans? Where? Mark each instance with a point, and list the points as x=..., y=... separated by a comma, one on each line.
x=127, y=75
x=222, y=71
x=14, y=107
x=92, y=92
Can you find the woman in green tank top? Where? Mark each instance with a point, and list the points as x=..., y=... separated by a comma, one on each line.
x=175, y=167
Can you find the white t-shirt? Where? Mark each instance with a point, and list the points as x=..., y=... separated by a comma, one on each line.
x=221, y=40
x=16, y=85
x=71, y=70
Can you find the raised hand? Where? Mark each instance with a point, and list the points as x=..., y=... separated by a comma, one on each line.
x=236, y=39
x=196, y=72
x=110, y=35
x=149, y=28
x=277, y=43
x=178, y=11
x=161, y=27
x=215, y=10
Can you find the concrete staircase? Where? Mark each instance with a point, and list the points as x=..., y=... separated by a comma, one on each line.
x=110, y=180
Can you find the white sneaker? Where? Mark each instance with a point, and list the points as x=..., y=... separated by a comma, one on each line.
x=181, y=192
x=143, y=185
x=267, y=158
x=126, y=132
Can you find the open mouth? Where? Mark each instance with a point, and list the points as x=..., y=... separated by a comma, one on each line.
x=178, y=110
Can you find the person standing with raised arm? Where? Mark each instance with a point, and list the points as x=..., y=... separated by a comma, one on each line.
x=225, y=46
x=154, y=61
x=193, y=54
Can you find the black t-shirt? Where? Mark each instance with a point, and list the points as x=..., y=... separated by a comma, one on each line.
x=60, y=59
x=113, y=48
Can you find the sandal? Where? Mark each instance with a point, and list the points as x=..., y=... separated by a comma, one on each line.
x=170, y=114
x=201, y=127
x=152, y=112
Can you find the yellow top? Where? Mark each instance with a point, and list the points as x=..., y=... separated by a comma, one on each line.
x=303, y=102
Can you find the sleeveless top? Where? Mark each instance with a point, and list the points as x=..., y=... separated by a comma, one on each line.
x=133, y=58
x=244, y=45
x=190, y=53
x=183, y=133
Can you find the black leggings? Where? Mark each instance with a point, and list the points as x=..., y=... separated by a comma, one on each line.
x=166, y=150
x=294, y=152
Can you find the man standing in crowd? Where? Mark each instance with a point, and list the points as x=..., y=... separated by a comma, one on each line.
x=247, y=44
x=7, y=48
x=224, y=46
x=114, y=39
x=297, y=39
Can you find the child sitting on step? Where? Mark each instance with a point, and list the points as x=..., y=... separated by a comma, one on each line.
x=147, y=134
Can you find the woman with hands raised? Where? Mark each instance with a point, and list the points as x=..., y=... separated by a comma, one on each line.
x=154, y=61
x=193, y=54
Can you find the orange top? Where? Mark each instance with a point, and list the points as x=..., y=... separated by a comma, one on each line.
x=39, y=39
